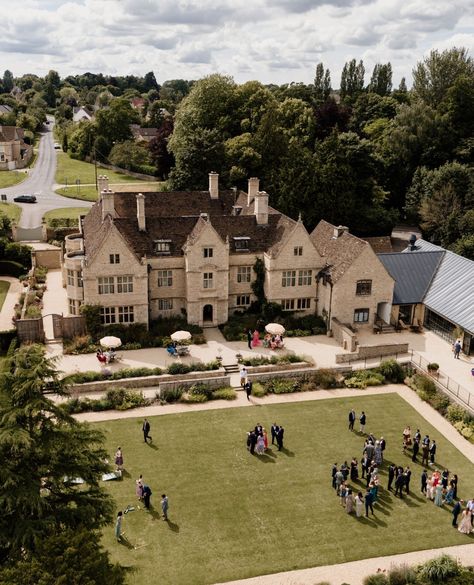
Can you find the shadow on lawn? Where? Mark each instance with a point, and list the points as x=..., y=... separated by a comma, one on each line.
x=172, y=526
x=152, y=446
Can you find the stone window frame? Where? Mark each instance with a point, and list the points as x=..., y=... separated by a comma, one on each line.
x=114, y=258
x=288, y=304
x=288, y=278
x=361, y=315
x=72, y=307
x=305, y=277
x=208, y=280
x=162, y=247
x=244, y=273
x=165, y=304
x=298, y=251
x=124, y=284
x=303, y=304
x=106, y=285
x=71, y=277
x=364, y=288
x=107, y=315
x=208, y=252
x=241, y=243
x=165, y=278
x=242, y=300
x=126, y=314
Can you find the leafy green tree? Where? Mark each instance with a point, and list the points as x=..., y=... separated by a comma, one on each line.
x=113, y=123
x=381, y=80
x=438, y=72
x=242, y=159
x=75, y=557
x=158, y=147
x=352, y=80
x=7, y=81
x=42, y=450
x=370, y=107
x=464, y=246
x=322, y=85
x=150, y=81
x=330, y=116
x=130, y=155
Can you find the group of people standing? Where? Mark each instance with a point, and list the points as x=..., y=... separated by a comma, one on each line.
x=428, y=447
x=257, y=438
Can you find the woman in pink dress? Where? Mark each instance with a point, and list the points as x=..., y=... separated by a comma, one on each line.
x=256, y=339
x=265, y=439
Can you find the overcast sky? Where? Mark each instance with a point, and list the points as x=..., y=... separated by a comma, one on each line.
x=274, y=41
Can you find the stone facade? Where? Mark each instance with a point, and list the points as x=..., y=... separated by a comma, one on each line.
x=141, y=257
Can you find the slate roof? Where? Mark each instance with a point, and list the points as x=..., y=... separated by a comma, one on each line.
x=380, y=244
x=339, y=253
x=11, y=133
x=412, y=273
x=5, y=109
x=176, y=216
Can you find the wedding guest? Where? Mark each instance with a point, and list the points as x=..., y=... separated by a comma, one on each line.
x=354, y=470
x=349, y=502
x=119, y=459
x=465, y=526
x=139, y=487
x=454, y=484
x=359, y=504
x=439, y=495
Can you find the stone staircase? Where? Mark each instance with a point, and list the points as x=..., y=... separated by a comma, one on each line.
x=232, y=370
x=381, y=326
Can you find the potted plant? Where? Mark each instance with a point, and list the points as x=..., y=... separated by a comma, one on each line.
x=433, y=368
x=239, y=357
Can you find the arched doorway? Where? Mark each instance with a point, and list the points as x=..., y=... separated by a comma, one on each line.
x=207, y=313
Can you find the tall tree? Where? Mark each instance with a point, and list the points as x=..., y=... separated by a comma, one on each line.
x=322, y=84
x=150, y=81
x=352, y=80
x=433, y=76
x=43, y=450
x=8, y=81
x=381, y=80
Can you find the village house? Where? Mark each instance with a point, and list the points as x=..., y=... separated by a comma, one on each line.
x=144, y=256
x=81, y=114
x=14, y=152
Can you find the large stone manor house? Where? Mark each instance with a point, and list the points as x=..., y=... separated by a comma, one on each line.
x=145, y=256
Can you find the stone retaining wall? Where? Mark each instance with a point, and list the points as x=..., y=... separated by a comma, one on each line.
x=372, y=351
x=145, y=381
x=213, y=382
x=296, y=373
x=343, y=335
x=277, y=367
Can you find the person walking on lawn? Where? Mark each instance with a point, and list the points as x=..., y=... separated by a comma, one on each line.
x=352, y=417
x=146, y=496
x=281, y=432
x=249, y=338
x=369, y=500
x=146, y=431
x=362, y=421
x=274, y=430
x=164, y=506
x=248, y=388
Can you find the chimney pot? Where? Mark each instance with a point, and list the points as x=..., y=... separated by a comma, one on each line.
x=214, y=185
x=339, y=230
x=141, y=212
x=261, y=208
x=253, y=188
x=107, y=200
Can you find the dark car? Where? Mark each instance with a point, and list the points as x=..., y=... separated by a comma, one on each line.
x=25, y=199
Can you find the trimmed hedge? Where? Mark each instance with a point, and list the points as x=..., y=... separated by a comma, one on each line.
x=12, y=268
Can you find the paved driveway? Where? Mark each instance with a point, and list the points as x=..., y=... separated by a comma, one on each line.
x=40, y=182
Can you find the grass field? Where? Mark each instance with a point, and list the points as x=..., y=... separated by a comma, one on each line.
x=4, y=286
x=11, y=210
x=71, y=169
x=10, y=178
x=234, y=516
x=64, y=212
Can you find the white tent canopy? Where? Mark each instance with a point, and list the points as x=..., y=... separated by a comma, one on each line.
x=181, y=336
x=110, y=341
x=275, y=329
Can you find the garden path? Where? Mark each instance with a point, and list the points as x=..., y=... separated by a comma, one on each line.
x=8, y=308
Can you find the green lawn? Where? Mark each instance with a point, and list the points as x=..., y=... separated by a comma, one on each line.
x=64, y=213
x=235, y=516
x=71, y=169
x=10, y=178
x=11, y=210
x=4, y=286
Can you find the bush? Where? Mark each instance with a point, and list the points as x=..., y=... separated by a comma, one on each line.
x=258, y=390
x=171, y=395
x=40, y=273
x=200, y=388
x=439, y=569
x=377, y=579
x=401, y=575
x=363, y=378
x=224, y=394
x=115, y=399
x=440, y=402
x=281, y=386
x=423, y=385
x=455, y=413
x=325, y=378
x=188, y=398
x=178, y=368
x=79, y=344
x=392, y=371
x=6, y=338
x=12, y=268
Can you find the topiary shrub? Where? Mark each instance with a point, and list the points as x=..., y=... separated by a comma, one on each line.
x=178, y=368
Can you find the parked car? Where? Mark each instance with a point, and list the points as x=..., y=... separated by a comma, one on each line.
x=57, y=146
x=25, y=199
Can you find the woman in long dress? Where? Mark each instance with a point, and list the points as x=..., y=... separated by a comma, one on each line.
x=378, y=457
x=256, y=338
x=139, y=487
x=439, y=495
x=429, y=488
x=465, y=526
x=354, y=469
x=359, y=505
x=349, y=502
x=265, y=439
x=343, y=493
x=260, y=448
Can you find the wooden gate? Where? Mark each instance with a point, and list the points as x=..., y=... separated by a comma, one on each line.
x=57, y=326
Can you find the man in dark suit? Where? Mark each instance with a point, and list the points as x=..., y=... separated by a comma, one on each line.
x=274, y=431
x=333, y=473
x=362, y=421
x=425, y=449
x=432, y=452
x=258, y=429
x=407, y=479
x=249, y=338
x=146, y=431
x=424, y=481
x=352, y=417
x=416, y=448
x=391, y=476
x=253, y=442
x=399, y=483
x=146, y=496
x=369, y=500
x=281, y=432
x=248, y=388
x=456, y=511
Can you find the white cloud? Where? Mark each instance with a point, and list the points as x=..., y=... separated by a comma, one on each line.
x=275, y=41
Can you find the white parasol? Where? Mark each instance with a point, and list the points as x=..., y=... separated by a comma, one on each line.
x=275, y=329
x=181, y=336
x=110, y=341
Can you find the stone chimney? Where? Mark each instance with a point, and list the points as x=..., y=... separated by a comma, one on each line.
x=141, y=212
x=254, y=185
x=261, y=207
x=339, y=230
x=108, y=207
x=214, y=185
x=102, y=183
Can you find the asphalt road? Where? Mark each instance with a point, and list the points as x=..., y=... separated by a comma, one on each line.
x=40, y=182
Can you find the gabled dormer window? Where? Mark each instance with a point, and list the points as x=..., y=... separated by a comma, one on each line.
x=242, y=244
x=162, y=247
